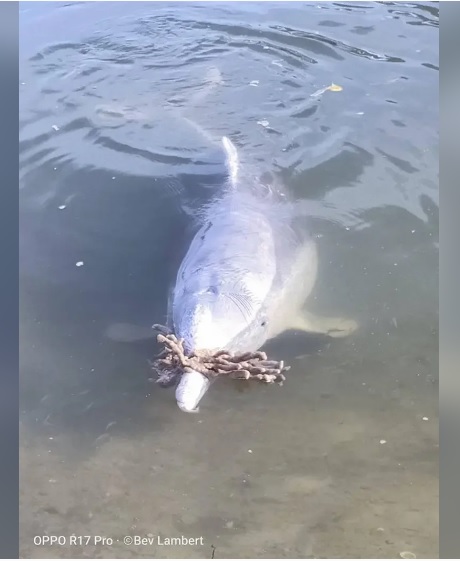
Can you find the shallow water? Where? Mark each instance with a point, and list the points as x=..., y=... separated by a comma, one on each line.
x=342, y=461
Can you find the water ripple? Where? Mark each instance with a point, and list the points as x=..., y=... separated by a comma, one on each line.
x=112, y=99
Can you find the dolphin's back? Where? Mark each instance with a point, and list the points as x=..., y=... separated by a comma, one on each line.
x=247, y=250
x=233, y=252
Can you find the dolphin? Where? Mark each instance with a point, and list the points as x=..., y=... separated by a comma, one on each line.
x=248, y=271
x=246, y=275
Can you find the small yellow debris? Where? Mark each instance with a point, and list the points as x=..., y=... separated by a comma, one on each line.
x=332, y=88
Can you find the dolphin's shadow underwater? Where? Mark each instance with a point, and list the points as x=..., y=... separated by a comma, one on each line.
x=246, y=276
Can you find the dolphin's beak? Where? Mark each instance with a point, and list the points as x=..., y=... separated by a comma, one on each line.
x=190, y=390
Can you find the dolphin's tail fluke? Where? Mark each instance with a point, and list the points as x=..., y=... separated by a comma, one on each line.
x=213, y=79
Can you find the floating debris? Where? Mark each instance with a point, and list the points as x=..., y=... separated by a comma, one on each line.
x=425, y=419
x=55, y=127
x=250, y=451
x=263, y=123
x=254, y=83
x=277, y=63
x=335, y=88
x=79, y=263
x=383, y=442
x=61, y=207
x=332, y=88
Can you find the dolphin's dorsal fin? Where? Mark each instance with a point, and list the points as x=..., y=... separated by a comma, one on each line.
x=232, y=159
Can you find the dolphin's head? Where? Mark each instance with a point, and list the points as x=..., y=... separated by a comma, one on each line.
x=212, y=320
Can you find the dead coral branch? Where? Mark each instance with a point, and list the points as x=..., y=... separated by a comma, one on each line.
x=173, y=361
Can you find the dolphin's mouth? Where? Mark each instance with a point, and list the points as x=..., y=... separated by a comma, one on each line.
x=190, y=390
x=202, y=367
x=183, y=408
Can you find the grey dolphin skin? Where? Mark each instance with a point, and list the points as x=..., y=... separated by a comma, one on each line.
x=246, y=276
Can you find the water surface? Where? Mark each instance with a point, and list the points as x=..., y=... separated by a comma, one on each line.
x=342, y=461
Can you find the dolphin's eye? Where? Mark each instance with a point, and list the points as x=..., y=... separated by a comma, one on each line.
x=263, y=324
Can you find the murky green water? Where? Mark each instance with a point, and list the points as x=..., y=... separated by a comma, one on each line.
x=342, y=461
